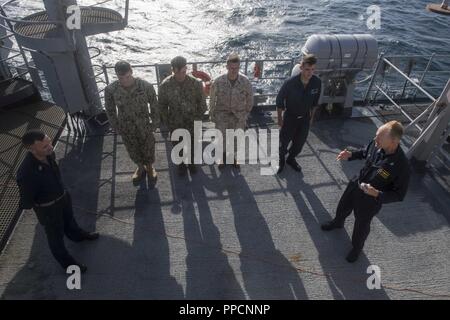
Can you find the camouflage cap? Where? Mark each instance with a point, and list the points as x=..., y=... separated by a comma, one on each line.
x=178, y=62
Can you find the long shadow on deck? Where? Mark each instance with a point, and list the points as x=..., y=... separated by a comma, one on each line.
x=266, y=272
x=209, y=274
x=116, y=269
x=345, y=281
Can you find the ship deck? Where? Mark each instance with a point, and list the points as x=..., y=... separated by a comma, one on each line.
x=232, y=234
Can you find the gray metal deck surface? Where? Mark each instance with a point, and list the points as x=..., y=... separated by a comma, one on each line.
x=230, y=234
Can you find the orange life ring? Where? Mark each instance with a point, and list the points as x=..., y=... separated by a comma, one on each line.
x=206, y=79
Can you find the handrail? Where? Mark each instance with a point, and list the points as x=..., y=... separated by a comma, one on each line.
x=6, y=3
x=409, y=79
x=398, y=107
x=99, y=52
x=17, y=76
x=127, y=7
x=12, y=57
x=370, y=88
x=98, y=3
x=5, y=36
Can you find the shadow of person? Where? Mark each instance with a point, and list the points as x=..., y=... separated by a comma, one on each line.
x=80, y=163
x=346, y=281
x=266, y=272
x=209, y=274
x=151, y=258
x=116, y=270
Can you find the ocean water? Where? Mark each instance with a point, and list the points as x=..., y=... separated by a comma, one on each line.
x=204, y=30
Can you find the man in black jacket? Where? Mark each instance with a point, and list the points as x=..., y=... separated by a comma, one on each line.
x=383, y=179
x=298, y=98
x=42, y=189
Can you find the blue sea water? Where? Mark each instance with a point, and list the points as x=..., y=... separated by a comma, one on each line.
x=204, y=30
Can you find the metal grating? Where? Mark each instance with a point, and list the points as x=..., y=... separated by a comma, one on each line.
x=89, y=15
x=99, y=15
x=38, y=31
x=13, y=124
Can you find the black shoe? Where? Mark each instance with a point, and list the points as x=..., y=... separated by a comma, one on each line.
x=353, y=255
x=193, y=168
x=181, y=169
x=236, y=165
x=91, y=236
x=294, y=165
x=281, y=165
x=330, y=225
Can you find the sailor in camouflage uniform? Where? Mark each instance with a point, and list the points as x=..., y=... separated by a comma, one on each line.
x=231, y=101
x=181, y=102
x=127, y=106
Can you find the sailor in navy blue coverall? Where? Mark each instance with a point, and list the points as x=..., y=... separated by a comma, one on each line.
x=383, y=179
x=298, y=97
x=41, y=188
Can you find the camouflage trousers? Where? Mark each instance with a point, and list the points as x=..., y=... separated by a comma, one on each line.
x=140, y=147
x=189, y=128
x=228, y=120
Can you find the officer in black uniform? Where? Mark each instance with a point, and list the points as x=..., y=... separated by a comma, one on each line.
x=42, y=189
x=298, y=98
x=383, y=179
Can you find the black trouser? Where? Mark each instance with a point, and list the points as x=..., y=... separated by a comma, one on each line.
x=295, y=130
x=365, y=207
x=58, y=221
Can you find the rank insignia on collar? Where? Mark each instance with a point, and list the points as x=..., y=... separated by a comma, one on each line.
x=383, y=173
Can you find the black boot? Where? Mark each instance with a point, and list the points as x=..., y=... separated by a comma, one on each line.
x=193, y=168
x=294, y=165
x=182, y=169
x=330, y=225
x=353, y=255
x=90, y=236
x=281, y=165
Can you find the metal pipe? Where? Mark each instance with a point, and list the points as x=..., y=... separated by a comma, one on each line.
x=422, y=115
x=7, y=36
x=6, y=3
x=423, y=74
x=99, y=52
x=127, y=5
x=398, y=107
x=410, y=67
x=12, y=57
x=373, y=79
x=105, y=72
x=409, y=79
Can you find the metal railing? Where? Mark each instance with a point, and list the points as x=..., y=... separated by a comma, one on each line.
x=414, y=84
x=366, y=91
